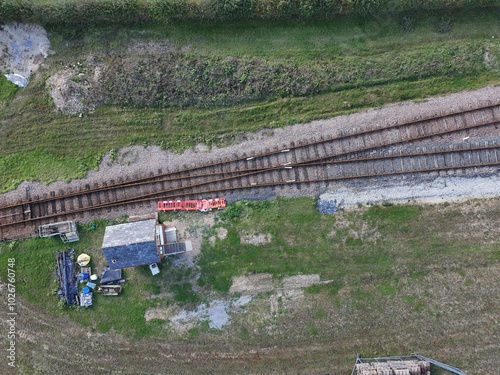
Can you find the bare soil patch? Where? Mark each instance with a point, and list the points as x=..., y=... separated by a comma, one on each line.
x=252, y=284
x=218, y=311
x=193, y=227
x=220, y=234
x=299, y=281
x=70, y=94
x=255, y=239
x=264, y=282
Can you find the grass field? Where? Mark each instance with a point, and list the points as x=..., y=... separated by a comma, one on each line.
x=38, y=143
x=396, y=286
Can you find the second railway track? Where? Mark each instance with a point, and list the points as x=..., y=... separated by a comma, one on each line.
x=350, y=154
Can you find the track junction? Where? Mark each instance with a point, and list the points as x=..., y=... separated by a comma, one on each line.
x=413, y=147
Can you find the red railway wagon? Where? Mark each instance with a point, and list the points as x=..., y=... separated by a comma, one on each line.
x=203, y=205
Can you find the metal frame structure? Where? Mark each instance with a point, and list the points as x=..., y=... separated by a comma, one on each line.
x=67, y=230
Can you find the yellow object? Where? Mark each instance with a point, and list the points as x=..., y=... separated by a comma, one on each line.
x=83, y=259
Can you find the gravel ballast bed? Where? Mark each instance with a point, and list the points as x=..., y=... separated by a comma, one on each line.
x=137, y=161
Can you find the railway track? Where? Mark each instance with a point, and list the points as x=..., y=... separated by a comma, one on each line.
x=355, y=153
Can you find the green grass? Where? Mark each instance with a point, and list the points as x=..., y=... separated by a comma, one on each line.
x=392, y=217
x=184, y=293
x=327, y=40
x=387, y=66
x=285, y=255
x=302, y=243
x=7, y=90
x=291, y=251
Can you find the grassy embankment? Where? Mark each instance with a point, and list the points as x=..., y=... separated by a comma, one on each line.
x=396, y=285
x=369, y=62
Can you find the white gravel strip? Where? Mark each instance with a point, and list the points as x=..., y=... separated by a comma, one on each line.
x=438, y=190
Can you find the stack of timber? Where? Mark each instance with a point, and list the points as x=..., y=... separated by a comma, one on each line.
x=394, y=368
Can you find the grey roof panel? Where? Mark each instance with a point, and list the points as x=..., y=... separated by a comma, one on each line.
x=131, y=255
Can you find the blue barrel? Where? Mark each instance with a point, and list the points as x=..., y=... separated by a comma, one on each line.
x=86, y=290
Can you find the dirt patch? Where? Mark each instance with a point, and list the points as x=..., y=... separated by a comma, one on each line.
x=287, y=296
x=264, y=282
x=252, y=284
x=220, y=234
x=300, y=281
x=75, y=88
x=163, y=313
x=24, y=48
x=192, y=226
x=70, y=93
x=255, y=239
x=344, y=228
x=285, y=301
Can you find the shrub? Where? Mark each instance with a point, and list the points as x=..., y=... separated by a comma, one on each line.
x=167, y=9
x=443, y=26
x=232, y=9
x=407, y=24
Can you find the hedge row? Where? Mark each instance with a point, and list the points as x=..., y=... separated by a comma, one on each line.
x=99, y=12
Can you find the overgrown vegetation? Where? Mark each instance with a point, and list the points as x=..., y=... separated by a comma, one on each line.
x=184, y=80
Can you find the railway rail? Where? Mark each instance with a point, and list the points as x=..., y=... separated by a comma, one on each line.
x=395, y=149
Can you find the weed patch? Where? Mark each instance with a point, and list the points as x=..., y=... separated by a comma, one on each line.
x=182, y=79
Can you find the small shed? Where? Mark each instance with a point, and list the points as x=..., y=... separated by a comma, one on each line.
x=130, y=244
